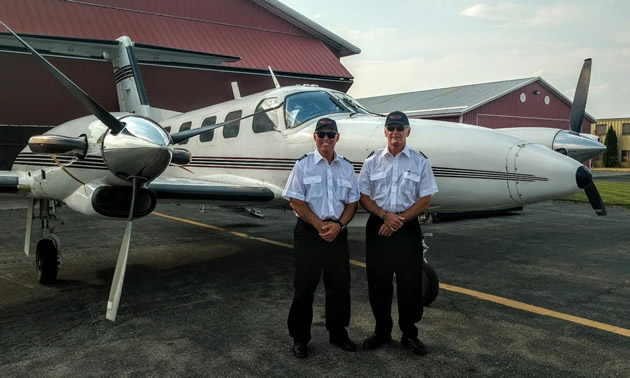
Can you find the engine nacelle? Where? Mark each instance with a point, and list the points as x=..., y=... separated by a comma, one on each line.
x=96, y=199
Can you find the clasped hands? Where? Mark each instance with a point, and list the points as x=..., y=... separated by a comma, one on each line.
x=391, y=224
x=329, y=231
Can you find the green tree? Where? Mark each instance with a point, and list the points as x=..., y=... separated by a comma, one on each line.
x=610, y=155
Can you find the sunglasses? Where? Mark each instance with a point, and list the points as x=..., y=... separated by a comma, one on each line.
x=329, y=134
x=397, y=128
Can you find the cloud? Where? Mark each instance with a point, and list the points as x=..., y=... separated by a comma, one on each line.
x=519, y=15
x=317, y=16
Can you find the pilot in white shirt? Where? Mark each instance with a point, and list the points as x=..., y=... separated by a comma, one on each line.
x=323, y=191
x=396, y=186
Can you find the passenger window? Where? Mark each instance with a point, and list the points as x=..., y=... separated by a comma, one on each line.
x=231, y=130
x=267, y=121
x=208, y=135
x=185, y=126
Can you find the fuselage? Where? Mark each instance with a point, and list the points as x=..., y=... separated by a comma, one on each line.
x=475, y=168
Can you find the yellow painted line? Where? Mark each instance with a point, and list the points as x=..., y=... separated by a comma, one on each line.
x=476, y=294
x=537, y=310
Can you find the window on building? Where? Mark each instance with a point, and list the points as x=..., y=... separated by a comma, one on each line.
x=267, y=121
x=624, y=155
x=625, y=129
x=231, y=130
x=600, y=129
x=208, y=135
x=185, y=126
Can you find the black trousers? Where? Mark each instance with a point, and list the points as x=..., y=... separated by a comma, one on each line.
x=312, y=256
x=399, y=254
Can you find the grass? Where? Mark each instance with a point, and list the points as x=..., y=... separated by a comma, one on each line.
x=613, y=194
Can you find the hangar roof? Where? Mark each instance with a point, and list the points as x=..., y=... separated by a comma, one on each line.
x=262, y=32
x=452, y=101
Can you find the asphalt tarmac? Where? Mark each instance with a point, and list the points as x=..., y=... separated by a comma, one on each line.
x=200, y=301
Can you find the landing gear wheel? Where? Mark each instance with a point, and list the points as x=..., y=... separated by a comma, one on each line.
x=46, y=261
x=430, y=284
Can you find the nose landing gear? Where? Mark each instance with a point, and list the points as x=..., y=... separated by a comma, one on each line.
x=48, y=258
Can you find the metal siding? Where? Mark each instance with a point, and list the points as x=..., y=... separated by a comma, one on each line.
x=236, y=12
x=258, y=48
x=509, y=111
x=623, y=141
x=38, y=99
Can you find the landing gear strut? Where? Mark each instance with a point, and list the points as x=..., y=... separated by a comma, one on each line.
x=48, y=259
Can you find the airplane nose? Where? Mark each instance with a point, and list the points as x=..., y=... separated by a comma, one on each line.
x=539, y=174
x=579, y=147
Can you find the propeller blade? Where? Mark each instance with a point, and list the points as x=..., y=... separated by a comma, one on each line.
x=183, y=135
x=88, y=102
x=121, y=264
x=595, y=199
x=579, y=100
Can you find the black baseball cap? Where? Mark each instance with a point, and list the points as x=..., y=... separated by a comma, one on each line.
x=397, y=117
x=326, y=123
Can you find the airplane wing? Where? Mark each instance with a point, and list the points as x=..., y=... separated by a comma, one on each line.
x=210, y=189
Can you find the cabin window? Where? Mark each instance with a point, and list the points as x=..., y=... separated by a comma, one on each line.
x=304, y=106
x=208, y=135
x=600, y=129
x=265, y=121
x=185, y=126
x=231, y=130
x=625, y=129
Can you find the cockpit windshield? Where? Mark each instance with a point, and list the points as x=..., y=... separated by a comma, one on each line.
x=351, y=103
x=304, y=106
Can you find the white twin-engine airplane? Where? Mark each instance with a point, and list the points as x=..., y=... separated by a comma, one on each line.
x=120, y=165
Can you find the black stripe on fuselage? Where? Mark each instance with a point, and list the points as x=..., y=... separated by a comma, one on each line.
x=275, y=164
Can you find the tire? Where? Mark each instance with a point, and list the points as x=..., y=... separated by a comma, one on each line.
x=430, y=284
x=46, y=261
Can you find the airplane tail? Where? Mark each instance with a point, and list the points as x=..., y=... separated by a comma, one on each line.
x=125, y=55
x=132, y=97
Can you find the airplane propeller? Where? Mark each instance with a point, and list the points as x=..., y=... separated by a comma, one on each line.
x=135, y=149
x=579, y=99
x=584, y=180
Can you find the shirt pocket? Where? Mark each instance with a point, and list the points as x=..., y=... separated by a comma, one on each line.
x=410, y=183
x=313, y=186
x=378, y=182
x=342, y=189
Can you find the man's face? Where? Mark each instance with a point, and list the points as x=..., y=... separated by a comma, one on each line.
x=397, y=137
x=323, y=140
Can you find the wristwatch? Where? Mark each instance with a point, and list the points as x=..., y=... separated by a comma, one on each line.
x=343, y=226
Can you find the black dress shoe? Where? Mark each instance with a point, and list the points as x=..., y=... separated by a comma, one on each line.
x=300, y=350
x=345, y=344
x=375, y=341
x=414, y=344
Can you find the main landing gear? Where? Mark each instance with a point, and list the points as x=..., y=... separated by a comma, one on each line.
x=48, y=258
x=430, y=282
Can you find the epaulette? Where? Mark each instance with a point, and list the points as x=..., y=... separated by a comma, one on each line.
x=422, y=153
x=302, y=157
x=371, y=153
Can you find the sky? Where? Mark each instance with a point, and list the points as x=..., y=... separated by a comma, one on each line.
x=412, y=45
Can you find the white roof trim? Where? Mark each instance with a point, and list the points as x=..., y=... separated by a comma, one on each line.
x=346, y=48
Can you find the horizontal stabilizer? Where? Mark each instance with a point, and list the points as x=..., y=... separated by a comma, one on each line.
x=96, y=48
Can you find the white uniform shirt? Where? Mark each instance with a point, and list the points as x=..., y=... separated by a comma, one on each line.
x=396, y=183
x=326, y=188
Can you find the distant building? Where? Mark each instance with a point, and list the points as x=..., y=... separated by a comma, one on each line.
x=622, y=128
x=529, y=102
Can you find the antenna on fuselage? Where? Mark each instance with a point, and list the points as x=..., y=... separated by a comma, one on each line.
x=273, y=76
